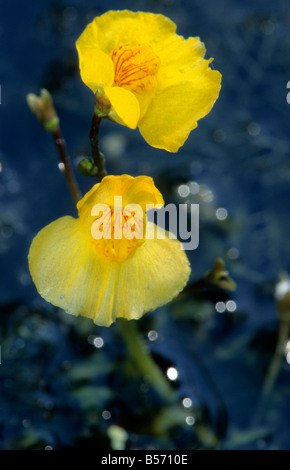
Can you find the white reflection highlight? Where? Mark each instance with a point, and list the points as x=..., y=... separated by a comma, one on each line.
x=187, y=402
x=221, y=213
x=106, y=414
x=194, y=187
x=231, y=305
x=190, y=420
x=183, y=190
x=220, y=307
x=172, y=373
x=152, y=335
x=98, y=342
x=282, y=288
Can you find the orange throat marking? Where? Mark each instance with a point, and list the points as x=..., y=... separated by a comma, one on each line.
x=136, y=67
x=117, y=235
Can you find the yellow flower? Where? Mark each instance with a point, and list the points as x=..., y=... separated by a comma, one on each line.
x=92, y=266
x=145, y=75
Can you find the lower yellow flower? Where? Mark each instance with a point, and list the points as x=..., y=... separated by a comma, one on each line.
x=104, y=265
x=145, y=75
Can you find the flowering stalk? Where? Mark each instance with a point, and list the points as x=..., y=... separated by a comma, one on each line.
x=276, y=361
x=273, y=371
x=43, y=108
x=144, y=360
x=67, y=168
x=96, y=165
x=282, y=296
x=98, y=157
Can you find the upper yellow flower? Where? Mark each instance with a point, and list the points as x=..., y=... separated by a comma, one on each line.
x=104, y=265
x=145, y=75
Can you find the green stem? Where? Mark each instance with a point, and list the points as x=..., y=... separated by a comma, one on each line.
x=98, y=157
x=276, y=362
x=144, y=360
x=273, y=371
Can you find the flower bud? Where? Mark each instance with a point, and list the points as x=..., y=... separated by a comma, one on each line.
x=42, y=107
x=102, y=104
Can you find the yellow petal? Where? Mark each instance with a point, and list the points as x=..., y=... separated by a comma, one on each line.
x=175, y=110
x=116, y=28
x=68, y=273
x=143, y=191
x=140, y=190
x=52, y=257
x=125, y=106
x=96, y=68
x=153, y=276
x=179, y=57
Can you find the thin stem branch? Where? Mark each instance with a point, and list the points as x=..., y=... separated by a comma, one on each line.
x=273, y=370
x=98, y=157
x=276, y=362
x=67, y=168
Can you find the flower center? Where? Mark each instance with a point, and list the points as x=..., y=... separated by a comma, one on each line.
x=117, y=232
x=136, y=67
